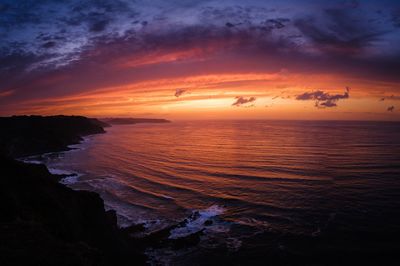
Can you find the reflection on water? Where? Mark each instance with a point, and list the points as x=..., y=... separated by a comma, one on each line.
x=246, y=176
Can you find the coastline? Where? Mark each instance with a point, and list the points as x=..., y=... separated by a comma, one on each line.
x=73, y=225
x=45, y=222
x=66, y=176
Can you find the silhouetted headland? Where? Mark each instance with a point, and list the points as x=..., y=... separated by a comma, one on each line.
x=130, y=121
x=43, y=222
x=29, y=135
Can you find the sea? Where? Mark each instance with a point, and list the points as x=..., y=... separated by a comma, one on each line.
x=251, y=187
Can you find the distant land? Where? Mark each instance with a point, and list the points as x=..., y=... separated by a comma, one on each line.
x=130, y=121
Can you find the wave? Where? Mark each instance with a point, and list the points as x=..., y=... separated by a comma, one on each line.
x=198, y=221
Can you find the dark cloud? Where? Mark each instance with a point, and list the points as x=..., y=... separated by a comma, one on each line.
x=98, y=26
x=17, y=62
x=282, y=96
x=351, y=4
x=49, y=45
x=390, y=108
x=179, y=92
x=277, y=23
x=323, y=99
x=341, y=32
x=3, y=7
x=240, y=100
x=396, y=18
x=88, y=36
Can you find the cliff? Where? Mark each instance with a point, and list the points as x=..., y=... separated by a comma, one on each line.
x=28, y=135
x=43, y=222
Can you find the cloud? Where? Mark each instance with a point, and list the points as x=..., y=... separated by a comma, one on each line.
x=93, y=43
x=6, y=93
x=49, y=44
x=278, y=23
x=179, y=92
x=393, y=97
x=390, y=108
x=99, y=26
x=339, y=32
x=240, y=100
x=323, y=99
x=390, y=98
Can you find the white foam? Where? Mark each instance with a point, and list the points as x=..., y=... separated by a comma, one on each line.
x=82, y=145
x=32, y=161
x=196, y=223
x=70, y=179
x=56, y=171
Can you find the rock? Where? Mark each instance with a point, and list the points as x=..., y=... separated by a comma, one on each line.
x=134, y=229
x=187, y=241
x=30, y=135
x=43, y=222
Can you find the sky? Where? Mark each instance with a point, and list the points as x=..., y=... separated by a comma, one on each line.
x=186, y=59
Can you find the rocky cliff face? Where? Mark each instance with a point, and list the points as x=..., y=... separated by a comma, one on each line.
x=43, y=222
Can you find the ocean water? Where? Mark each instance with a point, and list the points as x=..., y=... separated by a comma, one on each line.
x=261, y=185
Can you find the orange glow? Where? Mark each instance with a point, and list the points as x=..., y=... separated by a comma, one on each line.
x=212, y=96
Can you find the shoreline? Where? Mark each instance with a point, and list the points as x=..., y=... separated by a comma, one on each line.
x=71, y=226
x=46, y=222
x=64, y=173
x=125, y=245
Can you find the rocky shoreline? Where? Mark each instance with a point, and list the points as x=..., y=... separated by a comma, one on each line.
x=44, y=222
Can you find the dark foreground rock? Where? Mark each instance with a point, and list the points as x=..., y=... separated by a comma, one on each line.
x=43, y=222
x=29, y=135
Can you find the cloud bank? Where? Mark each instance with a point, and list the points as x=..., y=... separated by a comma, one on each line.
x=57, y=49
x=323, y=99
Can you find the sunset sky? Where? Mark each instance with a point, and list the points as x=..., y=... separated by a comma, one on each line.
x=187, y=59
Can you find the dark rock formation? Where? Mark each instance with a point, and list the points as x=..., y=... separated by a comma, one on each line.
x=28, y=135
x=43, y=222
